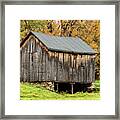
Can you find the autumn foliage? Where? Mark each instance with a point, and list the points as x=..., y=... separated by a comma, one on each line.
x=88, y=30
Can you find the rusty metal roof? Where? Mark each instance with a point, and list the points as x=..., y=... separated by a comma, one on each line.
x=64, y=44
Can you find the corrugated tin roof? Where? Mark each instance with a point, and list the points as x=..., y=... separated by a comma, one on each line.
x=64, y=44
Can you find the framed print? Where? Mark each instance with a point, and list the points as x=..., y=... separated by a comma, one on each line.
x=59, y=59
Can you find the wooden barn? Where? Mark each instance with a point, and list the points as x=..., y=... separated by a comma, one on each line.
x=63, y=61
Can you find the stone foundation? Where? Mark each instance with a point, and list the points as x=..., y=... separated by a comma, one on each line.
x=48, y=85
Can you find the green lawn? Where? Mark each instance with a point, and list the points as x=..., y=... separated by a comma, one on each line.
x=30, y=91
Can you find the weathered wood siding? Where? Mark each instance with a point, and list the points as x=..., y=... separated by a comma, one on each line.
x=39, y=64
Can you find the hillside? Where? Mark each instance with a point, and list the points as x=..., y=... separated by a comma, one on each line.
x=30, y=91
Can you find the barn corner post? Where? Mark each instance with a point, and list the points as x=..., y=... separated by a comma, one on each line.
x=72, y=87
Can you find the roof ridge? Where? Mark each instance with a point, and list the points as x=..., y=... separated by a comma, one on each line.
x=55, y=35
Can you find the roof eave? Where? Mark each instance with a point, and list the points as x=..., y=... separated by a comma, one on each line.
x=71, y=52
x=28, y=35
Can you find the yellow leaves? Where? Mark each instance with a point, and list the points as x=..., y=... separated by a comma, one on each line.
x=74, y=32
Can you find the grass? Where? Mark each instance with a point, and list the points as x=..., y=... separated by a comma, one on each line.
x=30, y=91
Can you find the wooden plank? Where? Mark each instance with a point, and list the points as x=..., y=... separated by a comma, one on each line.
x=70, y=60
x=64, y=67
x=36, y=57
x=53, y=60
x=63, y=74
x=42, y=65
x=33, y=71
x=32, y=62
x=68, y=67
x=78, y=61
x=54, y=69
x=77, y=65
x=85, y=79
x=81, y=71
x=23, y=62
x=48, y=67
x=76, y=75
x=26, y=61
x=27, y=64
x=63, y=59
x=35, y=46
x=51, y=66
x=72, y=68
x=82, y=74
x=75, y=61
x=94, y=71
x=32, y=68
x=89, y=70
x=45, y=67
x=86, y=69
x=93, y=68
x=47, y=70
x=38, y=73
x=57, y=66
x=24, y=67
